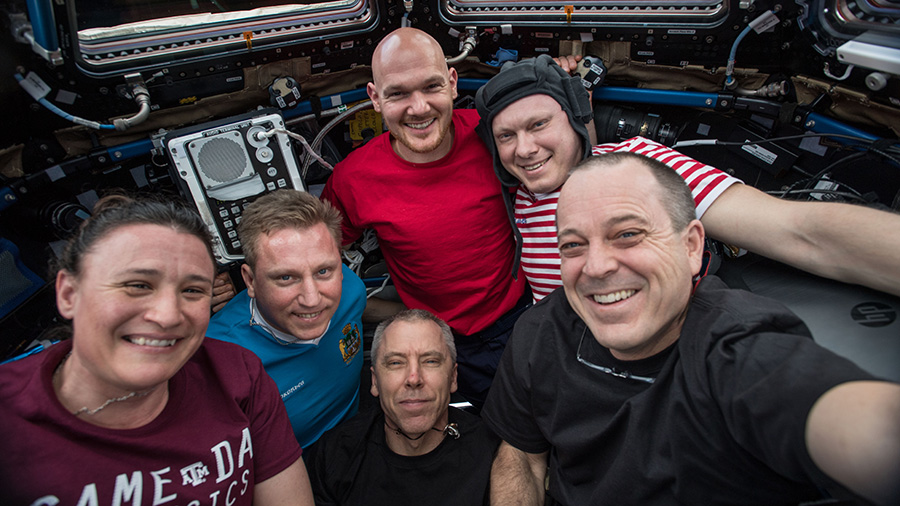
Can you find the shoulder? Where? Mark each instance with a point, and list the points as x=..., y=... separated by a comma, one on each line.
x=544, y=330
x=359, y=160
x=218, y=353
x=467, y=117
x=237, y=308
x=632, y=145
x=551, y=312
x=351, y=285
x=464, y=122
x=348, y=437
x=30, y=372
x=726, y=311
x=230, y=365
x=353, y=298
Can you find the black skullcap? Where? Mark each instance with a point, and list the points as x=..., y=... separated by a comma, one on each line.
x=534, y=76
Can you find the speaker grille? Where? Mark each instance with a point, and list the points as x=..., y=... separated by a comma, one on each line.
x=222, y=159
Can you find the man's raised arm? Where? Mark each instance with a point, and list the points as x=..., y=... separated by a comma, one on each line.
x=517, y=477
x=849, y=243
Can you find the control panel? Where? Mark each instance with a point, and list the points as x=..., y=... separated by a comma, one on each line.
x=224, y=166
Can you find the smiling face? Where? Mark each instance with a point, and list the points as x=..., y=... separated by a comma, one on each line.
x=296, y=280
x=139, y=307
x=625, y=271
x=413, y=89
x=413, y=377
x=536, y=143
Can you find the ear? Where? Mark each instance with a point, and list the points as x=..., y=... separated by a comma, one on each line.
x=373, y=94
x=66, y=293
x=454, y=77
x=693, y=241
x=453, y=385
x=247, y=274
x=374, y=388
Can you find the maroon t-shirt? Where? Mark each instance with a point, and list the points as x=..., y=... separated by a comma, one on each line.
x=223, y=429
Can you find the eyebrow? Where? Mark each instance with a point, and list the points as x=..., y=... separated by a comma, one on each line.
x=437, y=78
x=156, y=272
x=611, y=222
x=427, y=354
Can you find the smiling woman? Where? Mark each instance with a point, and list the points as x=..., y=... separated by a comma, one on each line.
x=102, y=415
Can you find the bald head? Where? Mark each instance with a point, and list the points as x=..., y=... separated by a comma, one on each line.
x=406, y=45
x=413, y=89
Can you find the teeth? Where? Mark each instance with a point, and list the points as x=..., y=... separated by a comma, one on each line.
x=420, y=126
x=613, y=297
x=308, y=315
x=533, y=167
x=160, y=343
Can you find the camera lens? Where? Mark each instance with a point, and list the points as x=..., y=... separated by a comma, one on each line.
x=618, y=123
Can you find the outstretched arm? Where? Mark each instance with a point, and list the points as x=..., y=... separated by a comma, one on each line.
x=518, y=477
x=849, y=243
x=853, y=435
x=287, y=488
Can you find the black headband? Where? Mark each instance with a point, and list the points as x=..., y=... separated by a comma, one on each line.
x=534, y=76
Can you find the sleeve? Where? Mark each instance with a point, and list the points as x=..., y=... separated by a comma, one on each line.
x=275, y=447
x=706, y=182
x=508, y=410
x=766, y=386
x=337, y=194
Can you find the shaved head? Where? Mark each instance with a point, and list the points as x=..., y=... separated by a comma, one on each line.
x=406, y=45
x=413, y=89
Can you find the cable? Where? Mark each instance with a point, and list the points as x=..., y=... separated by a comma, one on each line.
x=39, y=90
x=827, y=71
x=56, y=110
x=264, y=135
x=317, y=142
x=354, y=259
x=809, y=191
x=387, y=277
x=761, y=23
x=838, y=162
x=717, y=142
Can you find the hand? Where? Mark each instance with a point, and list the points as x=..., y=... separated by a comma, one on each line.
x=568, y=63
x=223, y=291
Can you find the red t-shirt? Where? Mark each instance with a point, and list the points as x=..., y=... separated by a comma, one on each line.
x=442, y=226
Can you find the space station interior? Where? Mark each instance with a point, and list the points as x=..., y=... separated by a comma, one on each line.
x=220, y=101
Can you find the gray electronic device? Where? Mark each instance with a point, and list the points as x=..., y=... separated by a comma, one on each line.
x=592, y=71
x=225, y=165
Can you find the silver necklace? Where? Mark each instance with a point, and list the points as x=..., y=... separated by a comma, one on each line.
x=88, y=411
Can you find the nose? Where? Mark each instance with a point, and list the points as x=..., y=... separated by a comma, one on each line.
x=165, y=310
x=418, y=105
x=309, y=295
x=413, y=377
x=525, y=145
x=601, y=261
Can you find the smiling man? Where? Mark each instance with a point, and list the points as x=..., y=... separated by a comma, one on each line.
x=416, y=449
x=534, y=120
x=428, y=190
x=639, y=387
x=301, y=312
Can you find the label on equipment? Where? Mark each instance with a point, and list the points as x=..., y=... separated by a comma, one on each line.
x=763, y=154
x=35, y=86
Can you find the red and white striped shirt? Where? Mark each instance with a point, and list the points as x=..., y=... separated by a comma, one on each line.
x=535, y=213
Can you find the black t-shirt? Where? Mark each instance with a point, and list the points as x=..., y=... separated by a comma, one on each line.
x=723, y=423
x=352, y=465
